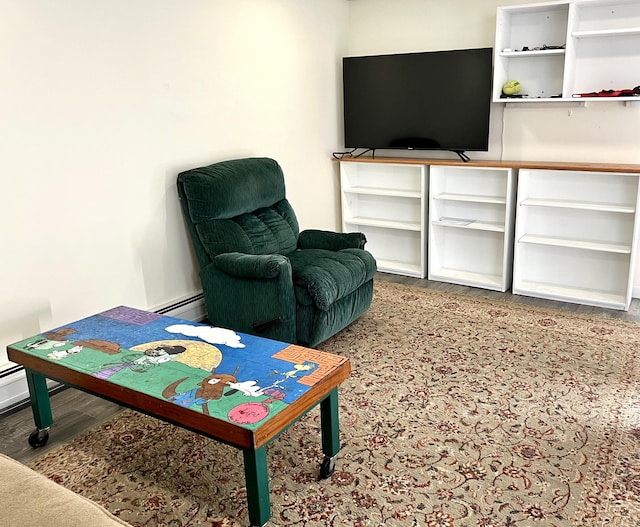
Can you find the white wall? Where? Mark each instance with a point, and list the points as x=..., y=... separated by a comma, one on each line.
x=104, y=102
x=599, y=132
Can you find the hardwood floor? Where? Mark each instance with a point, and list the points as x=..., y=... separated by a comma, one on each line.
x=75, y=412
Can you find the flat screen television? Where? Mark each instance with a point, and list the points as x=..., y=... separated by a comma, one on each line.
x=436, y=100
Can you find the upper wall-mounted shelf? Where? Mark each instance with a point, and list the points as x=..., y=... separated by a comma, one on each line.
x=532, y=53
x=568, y=51
x=605, y=33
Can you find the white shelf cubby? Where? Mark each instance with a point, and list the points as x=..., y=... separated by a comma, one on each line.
x=471, y=225
x=575, y=236
x=566, y=50
x=387, y=203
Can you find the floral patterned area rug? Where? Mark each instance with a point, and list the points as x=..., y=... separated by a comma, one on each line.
x=460, y=412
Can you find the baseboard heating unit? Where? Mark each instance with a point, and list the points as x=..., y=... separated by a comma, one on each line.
x=14, y=393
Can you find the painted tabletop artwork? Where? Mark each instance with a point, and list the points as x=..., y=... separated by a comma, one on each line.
x=239, y=378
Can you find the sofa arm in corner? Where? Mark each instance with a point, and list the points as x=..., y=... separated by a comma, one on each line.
x=331, y=241
x=28, y=499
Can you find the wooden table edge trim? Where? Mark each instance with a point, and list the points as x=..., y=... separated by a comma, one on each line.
x=184, y=417
x=135, y=400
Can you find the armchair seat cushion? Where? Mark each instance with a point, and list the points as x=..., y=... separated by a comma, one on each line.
x=322, y=277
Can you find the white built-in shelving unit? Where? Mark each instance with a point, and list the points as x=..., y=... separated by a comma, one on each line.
x=574, y=48
x=471, y=225
x=569, y=233
x=576, y=236
x=387, y=202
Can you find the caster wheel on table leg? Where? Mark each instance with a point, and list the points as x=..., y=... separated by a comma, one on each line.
x=38, y=438
x=328, y=467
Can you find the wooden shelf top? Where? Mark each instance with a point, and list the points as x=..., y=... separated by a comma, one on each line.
x=545, y=165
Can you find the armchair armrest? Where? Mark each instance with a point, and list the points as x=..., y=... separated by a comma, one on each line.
x=331, y=241
x=252, y=266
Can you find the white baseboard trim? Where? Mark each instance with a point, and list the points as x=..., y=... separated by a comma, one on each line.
x=635, y=292
x=14, y=391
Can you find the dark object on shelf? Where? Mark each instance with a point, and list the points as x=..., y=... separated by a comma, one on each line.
x=525, y=96
x=611, y=93
x=543, y=47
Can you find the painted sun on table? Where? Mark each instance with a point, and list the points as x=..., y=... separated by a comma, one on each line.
x=194, y=353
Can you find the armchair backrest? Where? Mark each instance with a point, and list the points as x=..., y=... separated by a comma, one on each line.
x=238, y=206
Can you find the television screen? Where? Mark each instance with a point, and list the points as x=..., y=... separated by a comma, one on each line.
x=438, y=100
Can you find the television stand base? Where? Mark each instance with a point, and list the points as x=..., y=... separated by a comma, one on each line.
x=465, y=158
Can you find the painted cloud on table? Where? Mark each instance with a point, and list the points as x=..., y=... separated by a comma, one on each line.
x=208, y=334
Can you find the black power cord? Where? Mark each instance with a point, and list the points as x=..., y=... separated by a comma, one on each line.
x=350, y=153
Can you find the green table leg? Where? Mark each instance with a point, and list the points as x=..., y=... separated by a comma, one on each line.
x=256, y=474
x=41, y=407
x=330, y=424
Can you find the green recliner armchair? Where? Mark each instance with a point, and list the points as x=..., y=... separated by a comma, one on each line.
x=261, y=275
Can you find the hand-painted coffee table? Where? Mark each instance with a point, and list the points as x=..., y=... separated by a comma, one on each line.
x=239, y=389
